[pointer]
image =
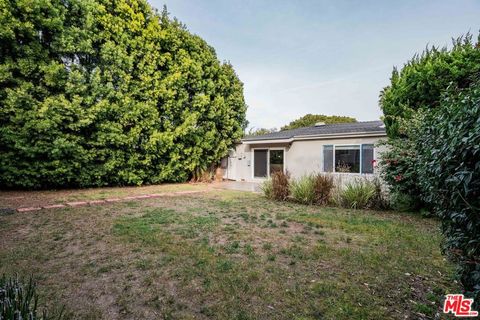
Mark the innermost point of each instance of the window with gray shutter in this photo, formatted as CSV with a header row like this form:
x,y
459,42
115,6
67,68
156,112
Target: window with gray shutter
x,y
328,158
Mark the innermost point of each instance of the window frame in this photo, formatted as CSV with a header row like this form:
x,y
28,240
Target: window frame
x,y
360,145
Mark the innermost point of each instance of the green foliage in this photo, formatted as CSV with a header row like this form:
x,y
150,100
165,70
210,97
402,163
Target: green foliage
x,y
403,202
102,92
419,87
20,301
309,120
398,169
357,194
280,186
303,189
447,141
432,112
267,188
423,79
380,200
260,131
323,187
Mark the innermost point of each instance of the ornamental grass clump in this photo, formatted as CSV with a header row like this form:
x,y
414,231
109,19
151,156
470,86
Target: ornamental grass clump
x,y
303,189
267,188
20,300
357,194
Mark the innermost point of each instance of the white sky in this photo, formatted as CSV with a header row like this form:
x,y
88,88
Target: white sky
x,y
326,57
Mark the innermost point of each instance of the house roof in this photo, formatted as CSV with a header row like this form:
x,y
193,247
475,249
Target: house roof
x,y
355,128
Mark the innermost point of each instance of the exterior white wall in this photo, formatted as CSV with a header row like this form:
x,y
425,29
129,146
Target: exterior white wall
x,y
301,157
239,166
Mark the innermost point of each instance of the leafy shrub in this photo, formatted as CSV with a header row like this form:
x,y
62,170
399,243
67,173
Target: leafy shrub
x,y
402,202
357,194
203,174
448,168
380,199
323,186
303,189
432,111
280,185
20,301
422,81
267,188
419,87
398,169
82,104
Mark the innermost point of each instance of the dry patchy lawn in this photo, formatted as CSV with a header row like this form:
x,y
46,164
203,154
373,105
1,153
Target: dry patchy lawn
x,y
228,255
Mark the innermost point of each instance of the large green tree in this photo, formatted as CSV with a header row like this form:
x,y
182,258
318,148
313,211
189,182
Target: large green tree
x,y
420,87
311,119
104,92
422,81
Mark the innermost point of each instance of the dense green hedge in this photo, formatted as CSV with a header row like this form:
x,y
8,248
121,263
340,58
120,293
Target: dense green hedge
x,y
103,92
419,86
447,141
421,81
432,114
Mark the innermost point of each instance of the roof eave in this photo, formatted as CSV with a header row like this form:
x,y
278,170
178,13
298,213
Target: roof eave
x,y
342,135
318,137
267,141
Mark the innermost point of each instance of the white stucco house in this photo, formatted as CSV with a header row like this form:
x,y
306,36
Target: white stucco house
x,y
348,150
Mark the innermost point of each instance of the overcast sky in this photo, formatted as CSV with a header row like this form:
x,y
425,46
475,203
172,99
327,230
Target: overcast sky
x,y
323,57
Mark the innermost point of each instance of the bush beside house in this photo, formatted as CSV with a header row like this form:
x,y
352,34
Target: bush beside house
x,y
106,92
447,141
432,114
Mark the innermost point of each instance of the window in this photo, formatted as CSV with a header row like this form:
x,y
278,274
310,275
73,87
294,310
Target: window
x,y
276,161
347,158
267,161
353,158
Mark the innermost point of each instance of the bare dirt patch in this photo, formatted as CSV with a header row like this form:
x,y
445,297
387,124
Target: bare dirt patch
x,y
17,199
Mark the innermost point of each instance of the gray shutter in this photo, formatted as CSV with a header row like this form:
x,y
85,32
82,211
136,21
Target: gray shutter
x,y
367,158
328,158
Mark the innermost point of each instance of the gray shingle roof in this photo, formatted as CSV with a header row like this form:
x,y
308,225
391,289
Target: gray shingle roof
x,y
328,129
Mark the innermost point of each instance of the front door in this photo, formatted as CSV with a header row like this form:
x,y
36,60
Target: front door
x,y
260,165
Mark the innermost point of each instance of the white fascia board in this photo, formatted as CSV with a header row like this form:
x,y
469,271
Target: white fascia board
x,y
271,141
318,137
342,135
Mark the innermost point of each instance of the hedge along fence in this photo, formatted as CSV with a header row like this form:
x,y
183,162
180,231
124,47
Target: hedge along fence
x,y
447,144
101,92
